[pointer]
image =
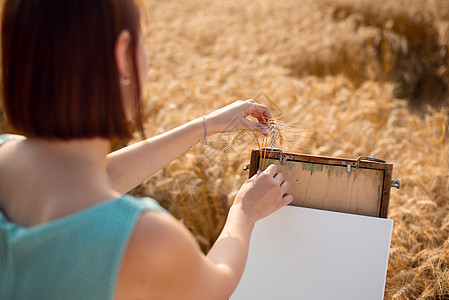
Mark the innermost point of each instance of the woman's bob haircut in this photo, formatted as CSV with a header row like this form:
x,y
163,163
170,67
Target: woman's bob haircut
x,y
60,77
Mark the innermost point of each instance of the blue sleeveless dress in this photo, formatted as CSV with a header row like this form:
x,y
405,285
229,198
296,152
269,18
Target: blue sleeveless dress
x,y
75,257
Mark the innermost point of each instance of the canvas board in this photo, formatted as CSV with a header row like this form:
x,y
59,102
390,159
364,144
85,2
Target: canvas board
x,y
303,253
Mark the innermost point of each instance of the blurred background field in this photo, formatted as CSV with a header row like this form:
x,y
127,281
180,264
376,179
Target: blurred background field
x,y
352,77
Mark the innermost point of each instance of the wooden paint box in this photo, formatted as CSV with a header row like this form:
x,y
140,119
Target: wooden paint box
x,y
356,186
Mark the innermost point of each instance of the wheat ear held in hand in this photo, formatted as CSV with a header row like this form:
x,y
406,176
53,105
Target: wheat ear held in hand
x,y
275,136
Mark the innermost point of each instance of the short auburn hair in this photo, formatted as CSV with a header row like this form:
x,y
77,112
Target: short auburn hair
x,y
60,77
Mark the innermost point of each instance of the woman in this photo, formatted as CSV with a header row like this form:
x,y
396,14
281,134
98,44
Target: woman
x,y
72,77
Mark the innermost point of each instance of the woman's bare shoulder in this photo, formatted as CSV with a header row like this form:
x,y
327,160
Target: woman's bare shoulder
x,y
8,147
162,261
8,137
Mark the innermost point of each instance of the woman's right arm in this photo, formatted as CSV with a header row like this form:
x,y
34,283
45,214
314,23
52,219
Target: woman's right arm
x,y
163,260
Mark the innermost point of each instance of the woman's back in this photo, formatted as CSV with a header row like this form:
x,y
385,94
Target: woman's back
x,y
75,257
54,246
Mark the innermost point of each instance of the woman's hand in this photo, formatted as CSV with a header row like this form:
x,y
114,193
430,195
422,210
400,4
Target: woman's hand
x,y
233,117
263,194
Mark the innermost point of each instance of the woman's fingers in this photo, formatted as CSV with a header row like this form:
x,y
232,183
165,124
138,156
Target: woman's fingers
x,y
284,187
234,117
261,119
254,126
271,170
287,199
261,113
264,193
279,177
258,111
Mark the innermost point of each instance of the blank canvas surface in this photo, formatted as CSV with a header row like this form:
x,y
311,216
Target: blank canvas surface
x,y
301,253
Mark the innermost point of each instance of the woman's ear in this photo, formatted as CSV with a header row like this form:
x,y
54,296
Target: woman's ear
x,y
124,66
122,55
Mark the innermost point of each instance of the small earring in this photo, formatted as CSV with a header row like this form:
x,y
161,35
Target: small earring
x,y
125,81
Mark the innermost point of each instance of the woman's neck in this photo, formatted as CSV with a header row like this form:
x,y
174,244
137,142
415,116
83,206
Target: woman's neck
x,y
81,152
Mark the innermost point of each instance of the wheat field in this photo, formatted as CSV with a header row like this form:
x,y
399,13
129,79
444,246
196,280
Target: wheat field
x,y
349,77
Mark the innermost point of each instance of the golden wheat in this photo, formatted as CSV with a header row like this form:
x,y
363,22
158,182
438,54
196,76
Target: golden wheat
x,y
363,56
354,77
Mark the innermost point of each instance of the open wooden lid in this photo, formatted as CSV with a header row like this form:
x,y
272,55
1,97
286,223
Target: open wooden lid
x,y
356,186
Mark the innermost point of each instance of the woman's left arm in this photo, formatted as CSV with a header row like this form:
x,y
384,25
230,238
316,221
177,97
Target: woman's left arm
x,y
130,166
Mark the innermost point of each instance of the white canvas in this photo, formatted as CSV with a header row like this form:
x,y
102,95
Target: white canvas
x,y
300,253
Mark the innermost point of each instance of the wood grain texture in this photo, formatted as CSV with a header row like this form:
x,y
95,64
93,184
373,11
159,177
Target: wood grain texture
x,y
332,188
324,183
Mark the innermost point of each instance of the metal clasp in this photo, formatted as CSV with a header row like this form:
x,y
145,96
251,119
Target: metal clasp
x,y
368,158
396,184
349,165
281,156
